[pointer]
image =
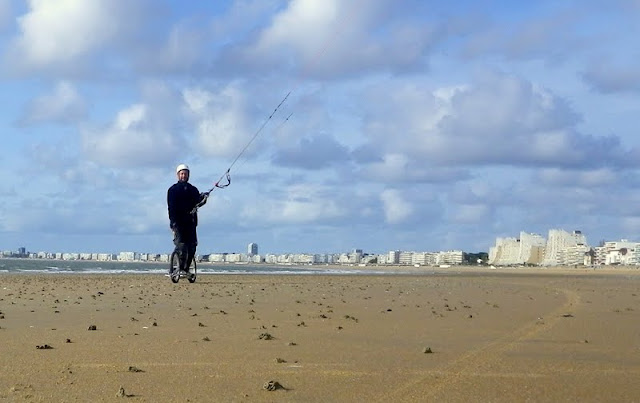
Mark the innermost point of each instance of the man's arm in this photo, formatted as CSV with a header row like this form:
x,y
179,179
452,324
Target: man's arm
x,y
171,209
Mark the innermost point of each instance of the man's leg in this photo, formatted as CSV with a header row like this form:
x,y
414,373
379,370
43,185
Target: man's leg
x,y
181,249
191,253
190,244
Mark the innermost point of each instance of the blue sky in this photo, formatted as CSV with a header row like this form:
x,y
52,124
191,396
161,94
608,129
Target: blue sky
x,y
415,125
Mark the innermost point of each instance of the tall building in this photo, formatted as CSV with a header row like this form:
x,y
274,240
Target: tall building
x,y
559,240
393,257
528,249
252,249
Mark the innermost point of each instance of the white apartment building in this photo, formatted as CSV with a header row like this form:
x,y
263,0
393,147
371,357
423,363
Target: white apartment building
x,y
449,257
103,257
383,258
424,258
572,255
421,258
621,252
393,257
505,252
217,257
532,247
303,258
405,257
128,256
233,258
345,259
558,240
526,249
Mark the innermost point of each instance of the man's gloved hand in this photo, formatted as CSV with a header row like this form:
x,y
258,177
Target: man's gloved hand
x,y
203,198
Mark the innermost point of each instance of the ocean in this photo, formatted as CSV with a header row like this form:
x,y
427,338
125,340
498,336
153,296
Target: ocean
x,y
37,266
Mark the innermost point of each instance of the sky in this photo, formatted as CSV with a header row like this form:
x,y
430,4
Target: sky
x,y
380,125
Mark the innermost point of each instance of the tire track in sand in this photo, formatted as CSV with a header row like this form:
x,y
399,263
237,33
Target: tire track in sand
x,y
470,362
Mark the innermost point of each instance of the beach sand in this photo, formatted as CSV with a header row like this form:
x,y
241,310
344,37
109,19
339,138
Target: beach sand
x,y
459,335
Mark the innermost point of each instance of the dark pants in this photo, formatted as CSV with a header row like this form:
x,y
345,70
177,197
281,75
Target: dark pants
x,y
186,241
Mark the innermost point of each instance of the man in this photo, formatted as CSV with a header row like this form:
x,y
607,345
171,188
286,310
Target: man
x,y
182,198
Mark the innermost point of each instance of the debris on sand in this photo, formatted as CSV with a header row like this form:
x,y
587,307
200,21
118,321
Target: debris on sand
x,y
567,315
135,369
92,327
265,336
44,347
272,385
351,318
427,350
121,392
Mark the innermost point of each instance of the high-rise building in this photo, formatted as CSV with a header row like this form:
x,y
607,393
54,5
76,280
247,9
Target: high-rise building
x,y
557,241
393,257
528,249
252,249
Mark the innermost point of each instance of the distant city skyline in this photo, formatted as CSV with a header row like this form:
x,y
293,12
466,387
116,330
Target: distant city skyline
x,y
529,239
561,248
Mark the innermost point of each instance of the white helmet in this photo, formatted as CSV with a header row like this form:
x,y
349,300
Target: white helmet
x,y
181,167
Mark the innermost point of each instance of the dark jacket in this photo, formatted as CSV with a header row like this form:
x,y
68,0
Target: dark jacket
x,y
182,197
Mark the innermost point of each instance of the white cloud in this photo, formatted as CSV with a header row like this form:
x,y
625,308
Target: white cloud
x,y
63,30
64,105
396,209
197,100
132,140
501,119
66,36
400,168
220,120
304,25
332,38
302,203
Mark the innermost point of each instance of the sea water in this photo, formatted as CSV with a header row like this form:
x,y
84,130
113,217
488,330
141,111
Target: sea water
x,y
44,266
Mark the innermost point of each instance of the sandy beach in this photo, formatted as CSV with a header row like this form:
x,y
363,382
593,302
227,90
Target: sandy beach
x,y
459,336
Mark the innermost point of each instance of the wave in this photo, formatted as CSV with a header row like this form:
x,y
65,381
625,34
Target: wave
x,y
26,266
